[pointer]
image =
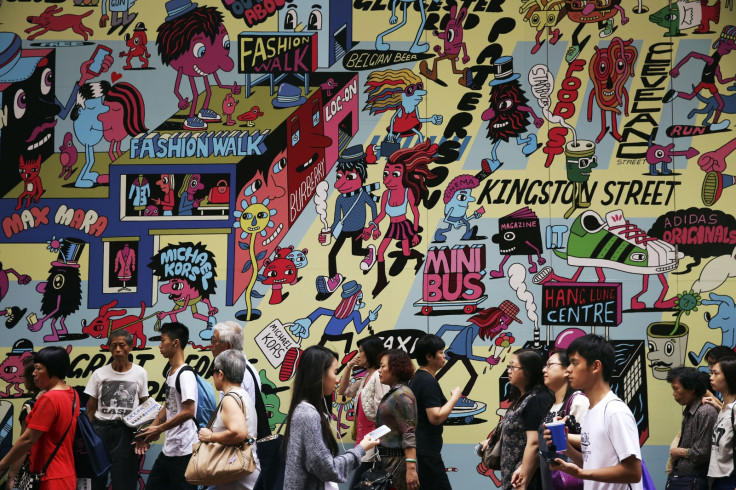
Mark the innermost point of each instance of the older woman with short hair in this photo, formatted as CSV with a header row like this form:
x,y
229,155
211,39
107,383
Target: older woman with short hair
x,y
236,420
52,419
398,411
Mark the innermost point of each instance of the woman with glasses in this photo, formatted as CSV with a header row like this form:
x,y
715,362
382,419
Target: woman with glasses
x,y
530,401
721,466
567,403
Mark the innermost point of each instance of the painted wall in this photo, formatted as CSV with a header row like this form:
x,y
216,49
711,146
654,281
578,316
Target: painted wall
x,y
558,191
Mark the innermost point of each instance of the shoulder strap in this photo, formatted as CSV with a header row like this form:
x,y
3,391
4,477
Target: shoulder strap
x,y
568,405
177,383
261,412
58,445
353,206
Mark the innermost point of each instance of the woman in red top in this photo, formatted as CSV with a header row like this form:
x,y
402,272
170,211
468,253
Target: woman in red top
x,y
53,412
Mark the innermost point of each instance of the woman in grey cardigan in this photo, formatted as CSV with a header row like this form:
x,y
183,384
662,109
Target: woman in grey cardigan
x,y
311,448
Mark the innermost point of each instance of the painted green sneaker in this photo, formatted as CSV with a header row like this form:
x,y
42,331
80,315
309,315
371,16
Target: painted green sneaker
x,y
617,244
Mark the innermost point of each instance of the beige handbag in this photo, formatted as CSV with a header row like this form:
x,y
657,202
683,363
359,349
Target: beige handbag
x,y
213,463
492,454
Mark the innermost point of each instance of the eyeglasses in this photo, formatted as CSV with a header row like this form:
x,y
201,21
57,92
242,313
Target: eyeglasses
x,y
552,364
410,89
511,367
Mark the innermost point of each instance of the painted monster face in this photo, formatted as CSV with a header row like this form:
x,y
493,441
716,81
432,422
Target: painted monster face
x,y
204,56
459,203
609,70
255,218
588,11
504,118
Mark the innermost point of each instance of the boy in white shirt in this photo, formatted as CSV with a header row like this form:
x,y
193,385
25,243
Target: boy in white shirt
x,y
610,456
176,418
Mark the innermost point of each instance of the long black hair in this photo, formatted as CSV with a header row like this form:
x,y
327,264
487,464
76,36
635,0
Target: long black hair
x,y
531,363
308,382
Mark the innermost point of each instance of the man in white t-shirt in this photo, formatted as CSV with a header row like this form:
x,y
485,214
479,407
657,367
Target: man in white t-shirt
x,y
610,456
114,391
176,418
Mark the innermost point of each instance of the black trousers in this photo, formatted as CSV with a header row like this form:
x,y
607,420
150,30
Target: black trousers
x,y
118,438
168,473
432,474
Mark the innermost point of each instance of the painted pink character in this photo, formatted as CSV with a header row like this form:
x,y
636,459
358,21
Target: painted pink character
x,y
125,117
193,41
166,184
11,369
228,108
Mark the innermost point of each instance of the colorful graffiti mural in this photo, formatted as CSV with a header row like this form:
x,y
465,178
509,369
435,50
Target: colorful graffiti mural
x,y
209,161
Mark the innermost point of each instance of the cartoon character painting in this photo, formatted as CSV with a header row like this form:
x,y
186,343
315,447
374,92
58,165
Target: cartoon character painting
x,y
610,68
11,369
193,41
189,274
457,200
62,291
32,187
508,114
136,47
454,45
125,116
416,46
89,129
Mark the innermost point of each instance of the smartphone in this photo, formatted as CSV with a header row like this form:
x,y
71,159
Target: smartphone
x,y
97,58
550,456
381,431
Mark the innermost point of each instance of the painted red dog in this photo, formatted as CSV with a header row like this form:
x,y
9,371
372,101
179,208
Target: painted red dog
x,y
104,324
49,21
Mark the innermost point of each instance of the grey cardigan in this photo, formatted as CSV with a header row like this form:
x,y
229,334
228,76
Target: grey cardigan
x,y
309,462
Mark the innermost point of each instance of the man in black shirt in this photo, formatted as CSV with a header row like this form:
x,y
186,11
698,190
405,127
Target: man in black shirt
x,y
433,409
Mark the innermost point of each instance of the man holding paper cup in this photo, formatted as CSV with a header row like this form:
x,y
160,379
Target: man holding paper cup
x,y
609,457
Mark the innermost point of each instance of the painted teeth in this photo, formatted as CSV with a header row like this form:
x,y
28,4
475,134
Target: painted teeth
x,y
500,125
273,236
608,94
200,72
43,141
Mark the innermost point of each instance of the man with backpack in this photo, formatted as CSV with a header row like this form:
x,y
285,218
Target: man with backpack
x,y
177,418
610,456
106,410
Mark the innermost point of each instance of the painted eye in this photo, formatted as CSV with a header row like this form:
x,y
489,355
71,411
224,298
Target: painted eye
x,y
450,35
289,272
620,66
279,166
165,180
671,17
505,105
136,41
177,286
290,20
315,21
338,176
248,216
226,42
19,104
58,281
603,68
669,348
659,153
198,50
462,197
509,236
271,273
385,174
47,81
351,176
652,347
396,173
193,183
262,215
253,188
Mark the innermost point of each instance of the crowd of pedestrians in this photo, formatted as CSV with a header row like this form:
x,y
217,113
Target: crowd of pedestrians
x,y
571,385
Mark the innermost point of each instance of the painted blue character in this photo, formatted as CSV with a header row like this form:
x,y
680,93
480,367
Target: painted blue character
x,y
725,319
192,183
457,199
88,129
416,47
347,311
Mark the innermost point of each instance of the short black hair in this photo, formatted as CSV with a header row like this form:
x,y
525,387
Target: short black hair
x,y
360,167
719,352
428,345
121,333
728,367
176,330
55,359
593,348
372,347
690,379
